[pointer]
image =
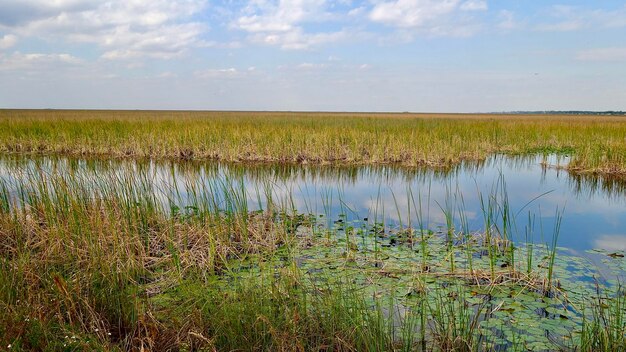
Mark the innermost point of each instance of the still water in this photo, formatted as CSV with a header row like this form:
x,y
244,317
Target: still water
x,y
593,209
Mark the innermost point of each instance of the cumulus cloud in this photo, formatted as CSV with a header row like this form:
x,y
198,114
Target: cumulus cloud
x,y
7,41
163,42
279,17
281,23
436,17
411,13
296,39
124,29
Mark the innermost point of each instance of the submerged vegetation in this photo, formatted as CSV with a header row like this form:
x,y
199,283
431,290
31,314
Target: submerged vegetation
x,y
118,262
596,143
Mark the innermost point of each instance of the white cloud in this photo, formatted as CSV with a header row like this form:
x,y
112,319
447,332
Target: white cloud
x,y
310,66
333,68
474,5
217,73
281,17
214,44
296,39
357,11
123,28
602,54
280,23
412,13
433,17
7,41
36,61
164,42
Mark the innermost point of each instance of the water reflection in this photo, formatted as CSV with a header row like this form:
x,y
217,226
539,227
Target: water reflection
x,y
593,206
611,242
591,184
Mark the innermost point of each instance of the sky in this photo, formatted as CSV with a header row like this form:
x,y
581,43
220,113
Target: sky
x,y
328,55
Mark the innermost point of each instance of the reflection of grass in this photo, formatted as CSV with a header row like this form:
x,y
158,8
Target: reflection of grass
x,y
109,262
596,142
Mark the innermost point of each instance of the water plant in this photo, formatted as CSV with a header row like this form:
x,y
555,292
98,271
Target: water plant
x,y
122,261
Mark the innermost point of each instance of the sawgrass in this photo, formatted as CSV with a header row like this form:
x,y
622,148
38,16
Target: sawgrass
x,y
596,143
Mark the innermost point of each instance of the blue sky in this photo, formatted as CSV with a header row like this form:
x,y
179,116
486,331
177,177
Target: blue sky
x,y
343,55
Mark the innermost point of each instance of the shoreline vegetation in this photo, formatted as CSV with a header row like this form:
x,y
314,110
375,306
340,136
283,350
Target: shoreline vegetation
x,y
103,262
596,143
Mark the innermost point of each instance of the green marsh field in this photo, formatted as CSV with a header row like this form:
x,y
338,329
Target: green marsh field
x,y
597,143
239,231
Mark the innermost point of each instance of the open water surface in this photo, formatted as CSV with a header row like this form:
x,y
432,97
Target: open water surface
x,y
593,208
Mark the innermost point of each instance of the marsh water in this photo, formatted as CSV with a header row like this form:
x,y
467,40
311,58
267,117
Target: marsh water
x,y
592,208
350,226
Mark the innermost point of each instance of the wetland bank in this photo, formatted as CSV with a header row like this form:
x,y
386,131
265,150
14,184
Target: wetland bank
x,y
145,230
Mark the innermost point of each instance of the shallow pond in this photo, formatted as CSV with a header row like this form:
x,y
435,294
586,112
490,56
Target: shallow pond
x,y
446,263
593,208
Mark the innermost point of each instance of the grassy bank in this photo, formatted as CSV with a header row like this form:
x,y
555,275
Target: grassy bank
x,y
596,143
112,262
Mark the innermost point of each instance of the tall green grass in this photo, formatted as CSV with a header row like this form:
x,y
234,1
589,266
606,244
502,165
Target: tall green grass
x,y
117,262
596,143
